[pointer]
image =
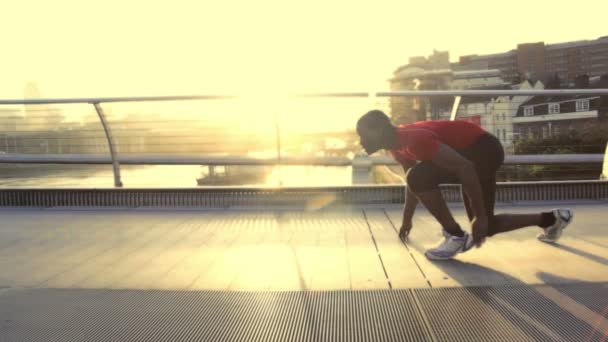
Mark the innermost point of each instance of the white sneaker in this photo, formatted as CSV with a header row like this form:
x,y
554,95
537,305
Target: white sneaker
x,y
450,246
563,217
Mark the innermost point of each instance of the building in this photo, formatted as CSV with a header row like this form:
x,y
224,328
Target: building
x,y
505,62
541,61
414,108
10,120
548,116
435,73
581,64
502,111
39,117
494,114
477,79
438,60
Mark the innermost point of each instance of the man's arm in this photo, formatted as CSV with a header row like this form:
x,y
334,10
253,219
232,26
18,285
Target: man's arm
x,y
411,201
451,160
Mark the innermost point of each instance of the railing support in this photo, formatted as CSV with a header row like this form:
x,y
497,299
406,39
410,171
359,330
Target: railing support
x,y
278,144
455,107
106,128
362,169
604,175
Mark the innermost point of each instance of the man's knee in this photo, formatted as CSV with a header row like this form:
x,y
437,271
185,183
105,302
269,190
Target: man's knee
x,y
418,180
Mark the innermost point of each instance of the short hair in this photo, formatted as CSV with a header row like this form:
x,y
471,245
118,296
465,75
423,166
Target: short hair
x,y
373,119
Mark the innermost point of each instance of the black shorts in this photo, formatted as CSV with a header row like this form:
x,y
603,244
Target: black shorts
x,y
487,155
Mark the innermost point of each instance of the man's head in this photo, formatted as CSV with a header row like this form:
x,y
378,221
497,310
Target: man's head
x,y
376,131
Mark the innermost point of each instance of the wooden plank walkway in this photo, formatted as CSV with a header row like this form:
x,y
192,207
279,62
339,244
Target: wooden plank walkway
x,y
352,249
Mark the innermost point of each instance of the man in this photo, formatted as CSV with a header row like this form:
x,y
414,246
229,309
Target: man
x,y
437,152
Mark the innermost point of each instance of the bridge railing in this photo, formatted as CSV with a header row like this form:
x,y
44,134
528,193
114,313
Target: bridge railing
x,y
487,107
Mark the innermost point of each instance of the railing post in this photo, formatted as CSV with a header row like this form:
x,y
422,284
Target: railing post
x,y
278,142
362,167
604,175
106,128
455,107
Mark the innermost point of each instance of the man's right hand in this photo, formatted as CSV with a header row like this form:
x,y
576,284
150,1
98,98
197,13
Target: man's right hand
x,y
479,227
404,231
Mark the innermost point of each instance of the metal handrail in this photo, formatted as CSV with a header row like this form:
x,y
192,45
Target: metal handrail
x,y
532,92
164,159
116,159
93,100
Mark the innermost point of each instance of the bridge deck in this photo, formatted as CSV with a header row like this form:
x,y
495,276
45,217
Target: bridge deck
x,y
66,274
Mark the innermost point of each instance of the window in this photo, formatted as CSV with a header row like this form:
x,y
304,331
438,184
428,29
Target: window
x,y
503,116
582,105
553,108
545,134
504,135
528,111
556,130
530,135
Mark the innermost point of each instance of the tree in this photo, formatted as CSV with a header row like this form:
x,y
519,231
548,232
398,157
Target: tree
x,y
591,139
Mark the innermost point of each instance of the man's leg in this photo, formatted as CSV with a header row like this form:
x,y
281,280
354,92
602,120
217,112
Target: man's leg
x,y
423,180
506,222
488,156
468,205
434,202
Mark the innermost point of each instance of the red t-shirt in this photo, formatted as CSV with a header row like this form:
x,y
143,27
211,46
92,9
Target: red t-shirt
x,y
420,140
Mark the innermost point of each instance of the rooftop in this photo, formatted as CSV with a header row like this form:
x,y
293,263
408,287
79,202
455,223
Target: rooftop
x,y
575,44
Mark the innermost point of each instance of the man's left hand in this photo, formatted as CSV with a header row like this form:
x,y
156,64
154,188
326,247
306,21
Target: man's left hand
x,y
404,232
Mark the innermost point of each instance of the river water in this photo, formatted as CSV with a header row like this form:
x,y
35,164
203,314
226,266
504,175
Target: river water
x,y
165,176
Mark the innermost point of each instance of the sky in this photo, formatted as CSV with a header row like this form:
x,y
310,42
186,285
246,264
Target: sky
x,y
135,48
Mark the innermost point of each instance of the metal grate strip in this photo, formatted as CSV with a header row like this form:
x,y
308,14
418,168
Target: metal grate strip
x,y
514,313
130,315
290,197
591,295
503,313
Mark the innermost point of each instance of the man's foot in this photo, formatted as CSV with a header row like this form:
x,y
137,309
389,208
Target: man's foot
x,y
450,246
563,217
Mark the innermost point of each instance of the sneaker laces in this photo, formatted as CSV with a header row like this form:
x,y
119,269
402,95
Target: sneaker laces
x,y
449,243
